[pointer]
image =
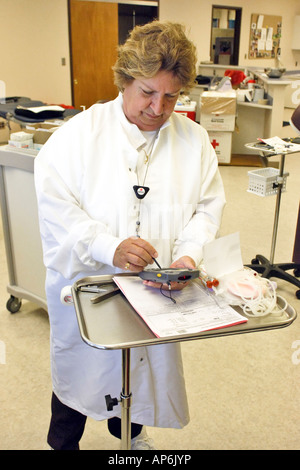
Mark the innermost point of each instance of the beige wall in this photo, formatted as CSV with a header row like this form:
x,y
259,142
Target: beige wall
x,y
35,37
196,15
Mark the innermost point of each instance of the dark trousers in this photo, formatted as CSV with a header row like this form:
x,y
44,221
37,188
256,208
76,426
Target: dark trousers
x,y
67,426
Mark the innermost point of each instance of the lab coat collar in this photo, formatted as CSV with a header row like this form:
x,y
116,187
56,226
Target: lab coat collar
x,y
134,134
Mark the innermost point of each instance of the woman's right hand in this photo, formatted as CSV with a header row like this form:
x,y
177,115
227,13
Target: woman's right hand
x,y
134,254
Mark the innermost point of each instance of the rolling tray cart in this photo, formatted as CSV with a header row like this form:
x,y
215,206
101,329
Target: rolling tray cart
x,y
109,322
267,182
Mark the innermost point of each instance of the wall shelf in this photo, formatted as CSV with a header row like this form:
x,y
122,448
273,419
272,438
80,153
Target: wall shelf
x,y
255,105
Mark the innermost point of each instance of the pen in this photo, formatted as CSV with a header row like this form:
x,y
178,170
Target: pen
x,y
157,263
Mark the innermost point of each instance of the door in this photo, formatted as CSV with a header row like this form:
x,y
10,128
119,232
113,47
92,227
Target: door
x,y
94,41
134,14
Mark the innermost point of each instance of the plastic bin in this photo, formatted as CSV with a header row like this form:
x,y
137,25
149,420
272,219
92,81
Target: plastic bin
x,y
263,182
188,110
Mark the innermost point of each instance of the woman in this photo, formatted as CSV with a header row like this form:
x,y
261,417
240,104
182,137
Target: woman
x,y
117,185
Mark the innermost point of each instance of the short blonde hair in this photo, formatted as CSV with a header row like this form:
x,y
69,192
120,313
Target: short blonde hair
x,y
153,47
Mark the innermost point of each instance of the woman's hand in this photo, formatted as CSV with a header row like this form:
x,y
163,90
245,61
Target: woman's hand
x,y
134,254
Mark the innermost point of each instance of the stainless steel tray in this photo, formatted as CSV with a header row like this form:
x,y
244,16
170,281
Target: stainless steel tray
x,y
114,324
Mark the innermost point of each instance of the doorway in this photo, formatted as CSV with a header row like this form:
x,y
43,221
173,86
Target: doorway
x,y
93,48
95,30
225,35
133,15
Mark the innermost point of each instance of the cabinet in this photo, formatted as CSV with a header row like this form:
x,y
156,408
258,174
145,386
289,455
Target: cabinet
x,y
255,120
23,245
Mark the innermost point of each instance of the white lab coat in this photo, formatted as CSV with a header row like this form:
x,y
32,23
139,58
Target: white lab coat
x,y
84,176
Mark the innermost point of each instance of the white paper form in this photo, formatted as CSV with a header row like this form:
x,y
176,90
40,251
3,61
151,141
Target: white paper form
x,y
279,145
195,309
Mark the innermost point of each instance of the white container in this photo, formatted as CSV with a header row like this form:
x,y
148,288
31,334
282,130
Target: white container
x,y
24,144
263,182
188,110
218,110
221,142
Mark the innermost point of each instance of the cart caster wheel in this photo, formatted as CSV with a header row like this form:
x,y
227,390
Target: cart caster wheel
x,y
298,294
297,272
13,304
254,261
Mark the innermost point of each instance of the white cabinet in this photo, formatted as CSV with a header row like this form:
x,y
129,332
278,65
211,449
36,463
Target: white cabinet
x,y
21,229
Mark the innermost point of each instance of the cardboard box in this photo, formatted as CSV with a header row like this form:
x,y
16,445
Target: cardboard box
x,y
222,143
188,110
5,131
44,125
41,132
218,110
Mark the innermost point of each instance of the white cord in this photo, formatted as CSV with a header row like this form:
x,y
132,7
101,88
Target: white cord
x,y
254,294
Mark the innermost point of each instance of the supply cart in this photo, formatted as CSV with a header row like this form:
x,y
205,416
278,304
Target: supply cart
x,y
21,228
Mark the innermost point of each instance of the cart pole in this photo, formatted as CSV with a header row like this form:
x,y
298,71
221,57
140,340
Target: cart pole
x,y
126,401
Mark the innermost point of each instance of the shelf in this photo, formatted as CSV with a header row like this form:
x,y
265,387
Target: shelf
x,y
255,105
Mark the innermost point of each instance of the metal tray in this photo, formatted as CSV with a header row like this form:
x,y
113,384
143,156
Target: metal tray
x,y
114,324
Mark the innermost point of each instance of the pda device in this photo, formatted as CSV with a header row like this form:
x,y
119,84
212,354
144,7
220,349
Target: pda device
x,y
165,276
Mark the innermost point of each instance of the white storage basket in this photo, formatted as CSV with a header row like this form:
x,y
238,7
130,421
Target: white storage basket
x,y
261,182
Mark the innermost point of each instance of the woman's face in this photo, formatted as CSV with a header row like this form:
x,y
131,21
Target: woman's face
x,y
148,102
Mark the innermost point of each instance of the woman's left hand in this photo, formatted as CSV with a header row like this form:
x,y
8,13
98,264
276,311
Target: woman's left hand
x,y
182,263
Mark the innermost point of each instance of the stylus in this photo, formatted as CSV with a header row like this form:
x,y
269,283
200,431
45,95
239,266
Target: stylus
x,y
156,262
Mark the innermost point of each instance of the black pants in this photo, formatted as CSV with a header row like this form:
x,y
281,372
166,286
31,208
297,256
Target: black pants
x,y
67,427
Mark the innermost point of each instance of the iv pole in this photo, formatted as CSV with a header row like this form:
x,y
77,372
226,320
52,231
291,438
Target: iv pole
x,y
260,263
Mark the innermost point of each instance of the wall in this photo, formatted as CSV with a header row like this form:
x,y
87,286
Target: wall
x,y
196,15
35,38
